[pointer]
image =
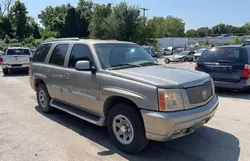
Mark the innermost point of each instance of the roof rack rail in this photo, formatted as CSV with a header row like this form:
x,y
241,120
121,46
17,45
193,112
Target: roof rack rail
x,y
63,39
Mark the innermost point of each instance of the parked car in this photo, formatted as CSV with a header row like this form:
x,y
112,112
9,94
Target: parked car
x,y
198,54
166,51
246,42
150,50
229,66
16,58
182,56
119,85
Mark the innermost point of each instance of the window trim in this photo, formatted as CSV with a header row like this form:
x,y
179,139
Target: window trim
x,y
51,52
70,51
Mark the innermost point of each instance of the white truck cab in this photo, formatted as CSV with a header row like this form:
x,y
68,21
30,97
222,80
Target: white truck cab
x,y
16,58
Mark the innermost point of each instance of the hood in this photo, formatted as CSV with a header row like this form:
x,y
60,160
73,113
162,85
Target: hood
x,y
162,76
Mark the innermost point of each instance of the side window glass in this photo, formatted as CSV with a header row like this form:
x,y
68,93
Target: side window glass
x,y
41,53
80,52
58,55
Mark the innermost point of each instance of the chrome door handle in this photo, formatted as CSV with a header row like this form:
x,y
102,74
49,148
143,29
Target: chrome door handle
x,y
66,76
47,71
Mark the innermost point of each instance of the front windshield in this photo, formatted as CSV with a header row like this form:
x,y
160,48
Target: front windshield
x,y
199,51
122,55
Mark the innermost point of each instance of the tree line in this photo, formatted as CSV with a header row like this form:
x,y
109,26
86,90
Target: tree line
x,y
104,21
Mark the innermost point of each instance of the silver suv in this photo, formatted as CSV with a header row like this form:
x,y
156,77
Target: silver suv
x,y
119,85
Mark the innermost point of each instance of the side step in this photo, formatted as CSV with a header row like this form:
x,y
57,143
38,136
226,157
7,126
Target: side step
x,y
97,120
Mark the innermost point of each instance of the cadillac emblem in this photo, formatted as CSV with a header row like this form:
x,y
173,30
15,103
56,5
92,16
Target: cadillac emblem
x,y
204,93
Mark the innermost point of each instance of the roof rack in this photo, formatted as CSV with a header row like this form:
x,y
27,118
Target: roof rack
x,y
63,39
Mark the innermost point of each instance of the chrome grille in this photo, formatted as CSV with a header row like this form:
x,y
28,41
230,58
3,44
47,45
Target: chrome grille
x,y
200,94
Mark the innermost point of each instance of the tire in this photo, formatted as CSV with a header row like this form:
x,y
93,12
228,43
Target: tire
x,y
134,127
43,98
167,61
186,60
5,71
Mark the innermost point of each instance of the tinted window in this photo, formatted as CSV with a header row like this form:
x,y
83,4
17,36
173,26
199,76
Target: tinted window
x,y
223,54
58,55
18,52
41,53
80,52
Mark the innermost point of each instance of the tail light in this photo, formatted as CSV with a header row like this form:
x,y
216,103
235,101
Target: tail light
x,y
196,66
1,60
30,59
246,71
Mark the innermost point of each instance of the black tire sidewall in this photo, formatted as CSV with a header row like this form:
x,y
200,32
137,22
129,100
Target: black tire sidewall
x,y
48,108
139,141
5,71
167,61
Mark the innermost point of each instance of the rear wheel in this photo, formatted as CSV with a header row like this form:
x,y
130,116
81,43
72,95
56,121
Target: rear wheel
x,y
43,98
167,61
5,71
126,128
186,60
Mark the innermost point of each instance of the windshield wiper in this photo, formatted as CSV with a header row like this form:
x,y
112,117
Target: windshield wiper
x,y
148,64
225,61
125,65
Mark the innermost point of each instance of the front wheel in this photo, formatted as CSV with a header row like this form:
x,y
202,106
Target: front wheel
x,y
5,71
125,126
167,61
186,60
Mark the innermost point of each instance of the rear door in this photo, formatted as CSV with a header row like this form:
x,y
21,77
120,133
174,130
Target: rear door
x,y
17,56
224,64
55,70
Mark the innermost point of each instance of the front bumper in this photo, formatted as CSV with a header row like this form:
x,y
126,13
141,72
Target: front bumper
x,y
241,85
164,126
23,66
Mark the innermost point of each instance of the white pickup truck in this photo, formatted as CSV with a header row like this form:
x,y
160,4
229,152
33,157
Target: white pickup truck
x,y
16,58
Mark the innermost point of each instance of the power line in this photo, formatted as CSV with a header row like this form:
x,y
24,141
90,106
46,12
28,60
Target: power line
x,y
144,11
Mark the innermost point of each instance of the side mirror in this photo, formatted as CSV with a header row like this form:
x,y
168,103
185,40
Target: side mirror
x,y
83,65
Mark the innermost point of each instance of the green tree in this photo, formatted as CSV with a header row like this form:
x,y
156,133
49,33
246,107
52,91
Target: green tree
x,y
175,27
191,33
70,27
97,23
158,26
203,32
6,27
36,32
84,15
18,14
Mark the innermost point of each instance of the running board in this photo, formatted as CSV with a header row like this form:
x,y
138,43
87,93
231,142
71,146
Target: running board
x,y
97,120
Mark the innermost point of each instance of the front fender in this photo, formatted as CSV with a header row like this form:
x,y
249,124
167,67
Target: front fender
x,y
141,101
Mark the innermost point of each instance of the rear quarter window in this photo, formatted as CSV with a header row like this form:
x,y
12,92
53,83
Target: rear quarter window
x,y
223,54
41,53
248,54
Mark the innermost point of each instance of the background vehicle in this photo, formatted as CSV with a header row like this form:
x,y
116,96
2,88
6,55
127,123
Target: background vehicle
x,y
182,56
229,66
16,58
150,50
166,51
198,54
246,42
119,85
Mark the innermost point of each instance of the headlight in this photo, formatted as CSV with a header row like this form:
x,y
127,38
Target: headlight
x,y
170,100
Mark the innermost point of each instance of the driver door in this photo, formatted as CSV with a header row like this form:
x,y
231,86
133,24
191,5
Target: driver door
x,y
82,87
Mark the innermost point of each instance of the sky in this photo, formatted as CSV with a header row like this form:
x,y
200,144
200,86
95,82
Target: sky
x,y
195,13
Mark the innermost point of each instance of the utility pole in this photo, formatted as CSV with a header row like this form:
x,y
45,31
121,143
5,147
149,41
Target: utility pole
x,y
144,11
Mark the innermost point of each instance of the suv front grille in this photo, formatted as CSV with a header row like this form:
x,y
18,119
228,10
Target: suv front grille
x,y
200,94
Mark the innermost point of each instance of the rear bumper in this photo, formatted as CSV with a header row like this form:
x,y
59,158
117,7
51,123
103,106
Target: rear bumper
x,y
164,126
23,66
241,85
